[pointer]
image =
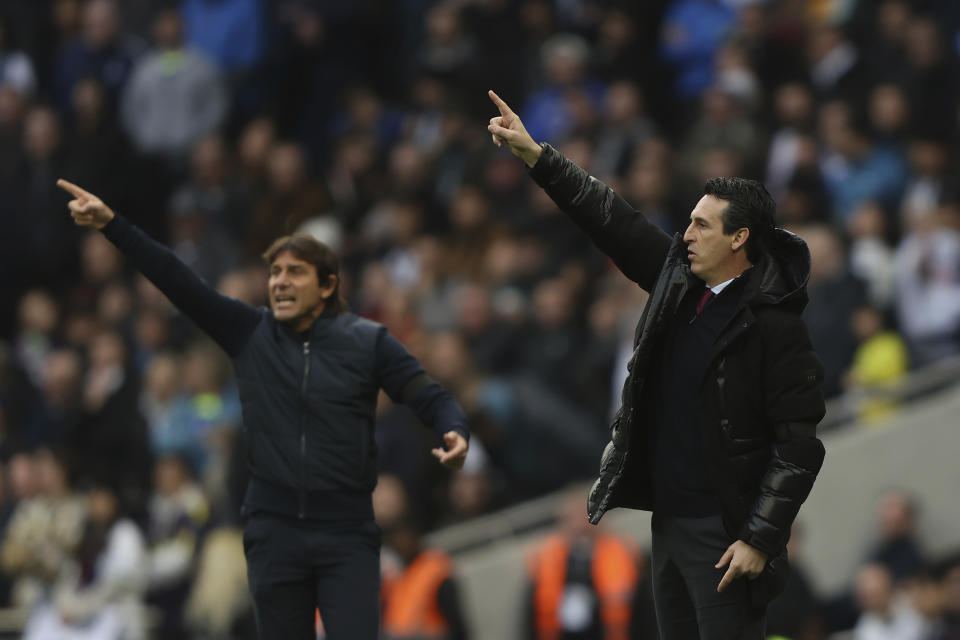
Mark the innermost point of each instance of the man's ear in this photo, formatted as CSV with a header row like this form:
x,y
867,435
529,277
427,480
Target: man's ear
x,y
327,290
740,237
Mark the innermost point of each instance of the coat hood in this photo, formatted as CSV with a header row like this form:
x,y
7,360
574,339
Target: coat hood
x,y
781,274
784,272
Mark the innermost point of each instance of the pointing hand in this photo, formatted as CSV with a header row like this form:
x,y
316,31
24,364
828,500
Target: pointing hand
x,y
744,560
507,128
86,209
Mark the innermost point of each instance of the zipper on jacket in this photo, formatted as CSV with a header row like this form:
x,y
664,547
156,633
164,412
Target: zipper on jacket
x,y
303,431
721,397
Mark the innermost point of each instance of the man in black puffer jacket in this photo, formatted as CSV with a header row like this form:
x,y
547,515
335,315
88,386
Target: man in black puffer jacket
x,y
308,374
716,434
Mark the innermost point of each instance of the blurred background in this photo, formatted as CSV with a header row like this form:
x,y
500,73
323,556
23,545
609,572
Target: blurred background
x,y
217,125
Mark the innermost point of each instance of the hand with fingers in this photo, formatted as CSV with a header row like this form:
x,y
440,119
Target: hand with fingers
x,y
86,209
455,453
507,128
744,560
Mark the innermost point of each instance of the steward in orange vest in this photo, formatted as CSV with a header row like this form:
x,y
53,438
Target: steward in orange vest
x,y
582,582
421,601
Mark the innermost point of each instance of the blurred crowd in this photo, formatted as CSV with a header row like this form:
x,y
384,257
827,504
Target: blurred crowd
x,y
217,125
901,591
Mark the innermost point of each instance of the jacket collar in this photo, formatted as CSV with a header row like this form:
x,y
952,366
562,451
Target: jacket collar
x,y
317,328
779,277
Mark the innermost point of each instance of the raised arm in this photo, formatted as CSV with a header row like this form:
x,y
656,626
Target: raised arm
x,y
636,246
405,381
229,322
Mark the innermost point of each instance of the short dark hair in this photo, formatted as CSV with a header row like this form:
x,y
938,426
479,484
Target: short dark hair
x,y
749,205
324,259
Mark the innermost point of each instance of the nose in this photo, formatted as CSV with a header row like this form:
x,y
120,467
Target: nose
x,y
688,234
280,279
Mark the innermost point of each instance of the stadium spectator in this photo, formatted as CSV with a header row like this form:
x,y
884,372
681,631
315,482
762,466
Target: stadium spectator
x,y
885,616
44,530
898,549
623,127
59,404
927,596
581,581
98,594
794,109
101,50
931,177
197,238
178,518
39,160
928,284
880,361
159,398
234,35
95,147
174,96
564,60
38,317
859,169
449,51
110,442
692,32
651,184
836,69
834,295
889,112
290,199
421,599
871,254
230,32
215,188
723,124
927,72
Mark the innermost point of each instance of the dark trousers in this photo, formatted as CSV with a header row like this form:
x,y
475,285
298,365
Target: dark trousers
x,y
296,567
685,581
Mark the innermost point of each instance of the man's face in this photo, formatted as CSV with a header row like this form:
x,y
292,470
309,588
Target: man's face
x,y
709,250
296,295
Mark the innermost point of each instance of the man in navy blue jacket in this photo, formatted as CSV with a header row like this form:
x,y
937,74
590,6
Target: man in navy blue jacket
x,y
308,373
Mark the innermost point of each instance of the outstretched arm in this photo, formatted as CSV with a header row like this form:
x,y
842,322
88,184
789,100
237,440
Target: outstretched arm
x,y
229,322
405,381
637,246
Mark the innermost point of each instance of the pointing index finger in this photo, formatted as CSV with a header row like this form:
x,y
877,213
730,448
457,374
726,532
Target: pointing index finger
x,y
501,105
727,578
72,189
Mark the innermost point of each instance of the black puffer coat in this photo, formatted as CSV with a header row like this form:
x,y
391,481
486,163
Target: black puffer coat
x,y
759,401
